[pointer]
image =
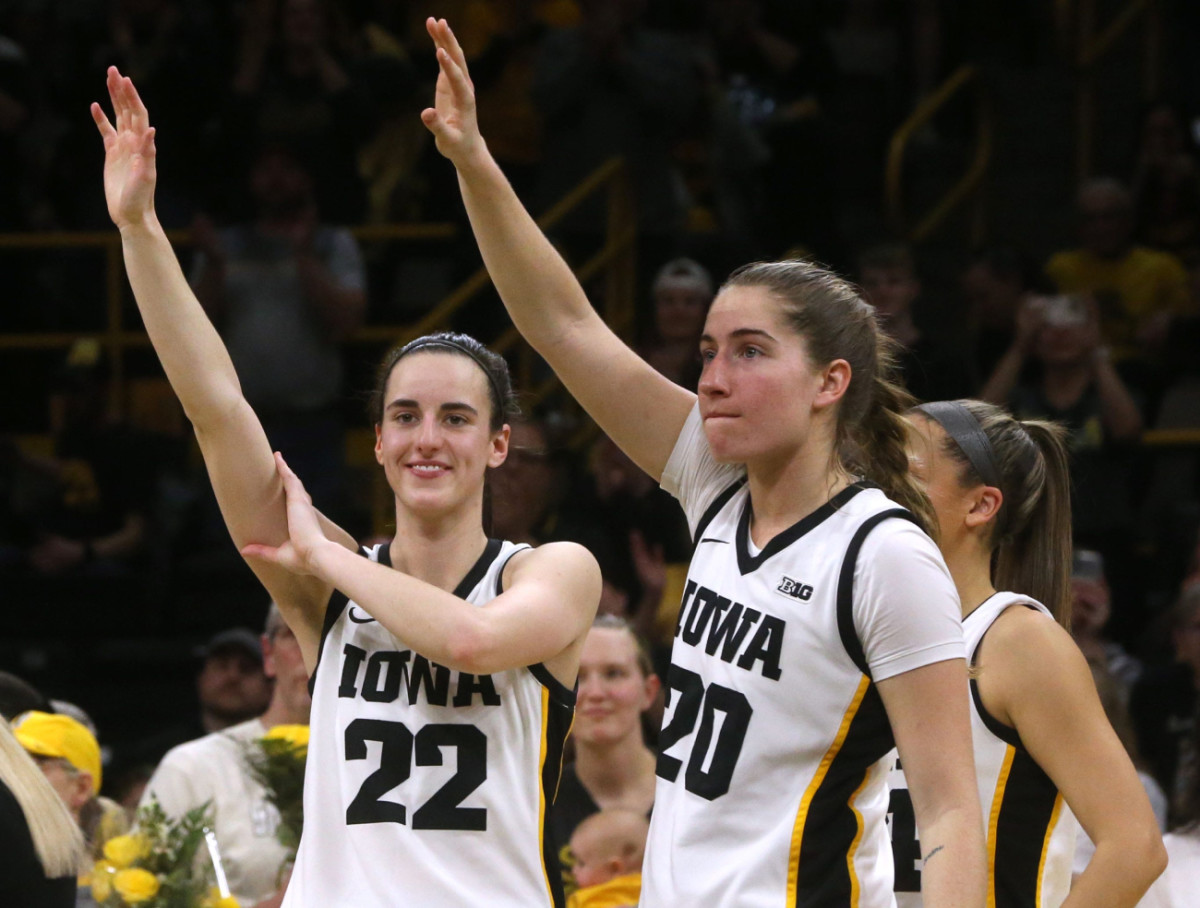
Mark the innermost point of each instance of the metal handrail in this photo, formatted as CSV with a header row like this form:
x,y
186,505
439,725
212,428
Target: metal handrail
x,y
1093,46
971,181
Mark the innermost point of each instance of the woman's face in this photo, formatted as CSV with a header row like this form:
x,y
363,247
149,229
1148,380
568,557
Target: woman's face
x,y
435,441
679,311
613,691
758,385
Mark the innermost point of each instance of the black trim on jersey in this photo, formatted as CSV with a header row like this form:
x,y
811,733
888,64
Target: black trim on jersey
x,y
1025,813
748,562
1005,733
333,610
504,567
823,869
558,726
845,590
559,692
471,580
713,509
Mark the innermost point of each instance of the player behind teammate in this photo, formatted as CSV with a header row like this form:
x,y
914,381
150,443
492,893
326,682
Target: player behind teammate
x,y
1044,750
797,655
443,662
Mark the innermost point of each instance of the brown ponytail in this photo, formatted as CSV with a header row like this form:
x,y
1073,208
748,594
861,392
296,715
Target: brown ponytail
x,y
1031,535
837,323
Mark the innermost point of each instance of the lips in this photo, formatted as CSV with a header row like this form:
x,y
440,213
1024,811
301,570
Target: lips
x,y
427,470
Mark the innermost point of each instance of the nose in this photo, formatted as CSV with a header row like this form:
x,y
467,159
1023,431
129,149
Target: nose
x,y
713,379
429,438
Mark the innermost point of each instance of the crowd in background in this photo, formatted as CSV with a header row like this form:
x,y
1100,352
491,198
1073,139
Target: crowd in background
x,y
752,129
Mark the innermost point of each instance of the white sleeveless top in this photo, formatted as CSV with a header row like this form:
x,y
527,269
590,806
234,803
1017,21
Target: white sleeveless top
x,y
771,788
1030,829
427,786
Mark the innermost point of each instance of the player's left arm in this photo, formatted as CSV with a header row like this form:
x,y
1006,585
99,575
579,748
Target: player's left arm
x,y
550,596
928,711
1034,678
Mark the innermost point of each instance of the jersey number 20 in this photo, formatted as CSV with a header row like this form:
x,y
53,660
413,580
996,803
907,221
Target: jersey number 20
x,y
442,810
713,782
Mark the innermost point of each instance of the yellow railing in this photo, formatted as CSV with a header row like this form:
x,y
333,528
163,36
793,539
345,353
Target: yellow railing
x,y
971,182
1092,46
616,255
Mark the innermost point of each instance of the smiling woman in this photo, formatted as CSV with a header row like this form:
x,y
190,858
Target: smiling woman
x,y
442,662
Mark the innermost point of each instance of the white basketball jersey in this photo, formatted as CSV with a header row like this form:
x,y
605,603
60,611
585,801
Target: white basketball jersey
x,y
427,786
1030,829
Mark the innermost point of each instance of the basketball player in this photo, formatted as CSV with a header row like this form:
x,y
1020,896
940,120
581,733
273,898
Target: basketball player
x,y
443,663
818,620
1044,750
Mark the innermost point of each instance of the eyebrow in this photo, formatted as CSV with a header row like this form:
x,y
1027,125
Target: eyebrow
x,y
404,403
740,333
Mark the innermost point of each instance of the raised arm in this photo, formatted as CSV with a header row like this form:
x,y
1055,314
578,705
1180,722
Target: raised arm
x,y
235,448
1034,678
639,409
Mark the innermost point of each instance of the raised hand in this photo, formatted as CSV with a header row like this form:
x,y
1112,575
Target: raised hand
x,y
452,118
304,527
129,173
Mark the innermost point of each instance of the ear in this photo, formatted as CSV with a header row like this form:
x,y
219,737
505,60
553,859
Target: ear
x,y
985,505
499,452
650,688
83,789
378,444
833,382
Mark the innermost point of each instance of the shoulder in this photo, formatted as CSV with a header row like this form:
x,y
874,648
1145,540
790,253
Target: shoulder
x,y
1063,262
894,543
569,561
1027,650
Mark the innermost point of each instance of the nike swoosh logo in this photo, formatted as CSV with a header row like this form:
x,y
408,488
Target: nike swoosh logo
x,y
367,620
711,539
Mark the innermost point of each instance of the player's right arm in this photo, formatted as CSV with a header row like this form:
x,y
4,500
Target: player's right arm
x,y
235,448
639,409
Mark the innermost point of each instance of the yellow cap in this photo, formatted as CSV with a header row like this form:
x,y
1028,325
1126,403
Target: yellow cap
x,y
52,735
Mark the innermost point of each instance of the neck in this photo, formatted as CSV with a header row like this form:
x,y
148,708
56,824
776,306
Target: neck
x,y
785,491
970,564
617,772
285,710
438,549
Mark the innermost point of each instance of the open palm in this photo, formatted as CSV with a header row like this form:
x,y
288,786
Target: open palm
x,y
452,117
129,173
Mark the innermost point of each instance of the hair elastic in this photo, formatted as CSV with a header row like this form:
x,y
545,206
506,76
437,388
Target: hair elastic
x,y
422,342
962,426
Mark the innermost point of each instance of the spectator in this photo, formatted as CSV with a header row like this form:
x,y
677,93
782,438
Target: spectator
x,y
527,487
1138,290
42,846
69,755
1091,607
1164,705
19,696
213,770
1078,386
292,85
931,370
613,767
608,847
993,287
682,293
1166,184
612,87
1176,888
285,290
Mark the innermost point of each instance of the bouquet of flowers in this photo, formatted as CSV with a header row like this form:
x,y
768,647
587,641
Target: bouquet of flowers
x,y
156,866
277,761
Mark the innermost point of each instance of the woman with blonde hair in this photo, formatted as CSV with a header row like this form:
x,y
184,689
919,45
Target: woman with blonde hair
x,y
1045,753
42,845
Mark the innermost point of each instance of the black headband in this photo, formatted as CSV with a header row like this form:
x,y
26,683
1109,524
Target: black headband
x,y
961,425
422,342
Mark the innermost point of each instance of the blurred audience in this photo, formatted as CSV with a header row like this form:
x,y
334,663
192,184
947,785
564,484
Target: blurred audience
x,y
1091,608
932,370
1166,184
681,294
608,848
1176,888
994,286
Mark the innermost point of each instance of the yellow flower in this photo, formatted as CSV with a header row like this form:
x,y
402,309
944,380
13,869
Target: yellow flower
x,y
102,874
124,850
135,885
214,899
296,735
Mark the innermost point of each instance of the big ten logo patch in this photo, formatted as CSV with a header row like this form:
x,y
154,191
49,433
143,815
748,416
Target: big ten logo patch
x,y
794,589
